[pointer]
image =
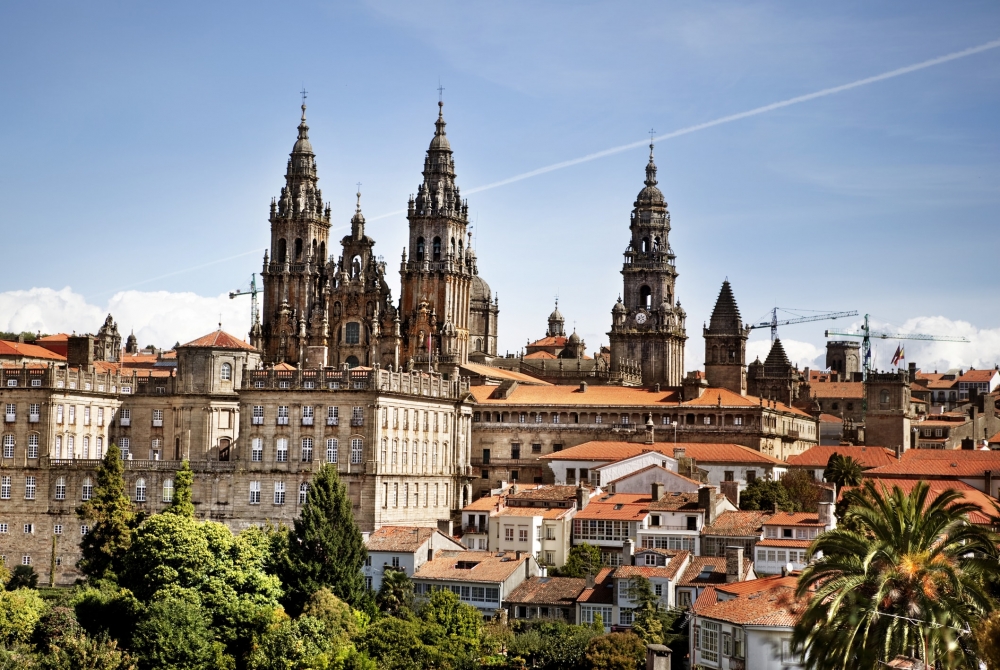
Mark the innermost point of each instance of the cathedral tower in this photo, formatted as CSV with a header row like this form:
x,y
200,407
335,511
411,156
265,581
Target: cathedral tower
x,y
300,225
726,344
437,273
648,324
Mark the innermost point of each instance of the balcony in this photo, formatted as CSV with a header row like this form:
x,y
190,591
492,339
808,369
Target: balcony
x,y
157,423
282,420
474,530
332,421
124,421
257,420
10,418
33,418
307,421
358,421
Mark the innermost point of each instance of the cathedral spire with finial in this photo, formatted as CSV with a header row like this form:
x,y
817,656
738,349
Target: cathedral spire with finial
x,y
358,220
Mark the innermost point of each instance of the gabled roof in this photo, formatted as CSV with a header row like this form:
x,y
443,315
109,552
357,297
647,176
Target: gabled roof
x,y
489,567
557,591
758,585
403,539
940,464
803,519
969,494
616,511
541,355
668,571
978,376
488,371
705,570
776,607
737,524
602,591
484,504
544,512
23,350
550,341
220,340
669,473
819,456
607,452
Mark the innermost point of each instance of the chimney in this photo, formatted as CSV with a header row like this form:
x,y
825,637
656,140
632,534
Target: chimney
x,y
693,386
517,554
659,488
583,387
582,497
656,388
444,525
988,482
734,564
527,567
706,501
732,491
628,552
826,515
680,452
590,581
430,553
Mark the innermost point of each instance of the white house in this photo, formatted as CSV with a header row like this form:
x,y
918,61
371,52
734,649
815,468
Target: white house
x,y
482,579
642,480
403,548
787,536
476,518
603,475
676,519
609,522
749,632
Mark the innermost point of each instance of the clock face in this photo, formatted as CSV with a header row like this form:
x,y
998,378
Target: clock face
x,y
640,318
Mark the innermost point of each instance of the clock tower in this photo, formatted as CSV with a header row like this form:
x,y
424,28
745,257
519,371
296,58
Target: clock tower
x,y
647,322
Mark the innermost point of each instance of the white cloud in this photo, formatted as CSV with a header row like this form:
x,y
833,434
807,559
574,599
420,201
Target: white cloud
x,y
803,354
160,318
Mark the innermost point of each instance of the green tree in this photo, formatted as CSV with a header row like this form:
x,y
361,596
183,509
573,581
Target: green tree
x,y
336,615
395,643
452,627
616,651
765,495
174,634
77,651
553,645
395,594
105,609
325,547
181,503
20,611
803,492
167,550
583,559
111,517
987,634
843,471
653,621
23,577
289,644
907,581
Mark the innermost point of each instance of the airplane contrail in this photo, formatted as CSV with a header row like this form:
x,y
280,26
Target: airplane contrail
x,y
729,119
178,272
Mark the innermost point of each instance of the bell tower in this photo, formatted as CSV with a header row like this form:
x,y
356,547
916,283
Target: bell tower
x,y
293,272
726,344
436,273
648,324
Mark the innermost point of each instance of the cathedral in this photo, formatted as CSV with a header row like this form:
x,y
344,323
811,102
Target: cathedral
x,y
325,311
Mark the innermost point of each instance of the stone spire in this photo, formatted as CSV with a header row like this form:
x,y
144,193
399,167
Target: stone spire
x,y
650,195
556,323
301,196
439,195
726,318
777,356
358,220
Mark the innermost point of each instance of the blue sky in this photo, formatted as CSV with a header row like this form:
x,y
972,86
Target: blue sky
x,y
140,140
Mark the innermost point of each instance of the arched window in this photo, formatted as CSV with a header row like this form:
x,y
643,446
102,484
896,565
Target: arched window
x,y
168,490
645,245
88,489
352,362
645,297
353,333
298,249
322,252
437,248
61,488
453,246
303,491
227,372
420,248
140,490
479,344
282,250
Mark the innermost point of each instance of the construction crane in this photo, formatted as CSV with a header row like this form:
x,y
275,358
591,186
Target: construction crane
x,y
254,314
866,334
773,323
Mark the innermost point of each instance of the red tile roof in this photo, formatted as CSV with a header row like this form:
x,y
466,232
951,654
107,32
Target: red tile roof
x,y
602,591
556,341
22,350
757,585
650,467
615,511
484,504
774,607
220,340
668,571
489,567
404,539
540,354
969,494
737,524
489,371
544,512
701,452
706,598
829,418
557,591
995,439
793,519
775,542
981,376
940,464
868,457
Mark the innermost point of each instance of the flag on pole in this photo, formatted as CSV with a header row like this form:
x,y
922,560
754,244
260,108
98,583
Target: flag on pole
x,y
899,355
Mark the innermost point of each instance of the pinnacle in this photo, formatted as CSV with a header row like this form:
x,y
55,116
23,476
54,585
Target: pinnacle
x,y
726,315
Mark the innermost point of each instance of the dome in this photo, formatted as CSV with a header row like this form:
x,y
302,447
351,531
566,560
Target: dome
x,y
619,308
303,146
440,141
556,315
574,338
480,289
650,194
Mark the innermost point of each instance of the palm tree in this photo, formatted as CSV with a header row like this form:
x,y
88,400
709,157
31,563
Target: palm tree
x,y
843,471
910,580
396,592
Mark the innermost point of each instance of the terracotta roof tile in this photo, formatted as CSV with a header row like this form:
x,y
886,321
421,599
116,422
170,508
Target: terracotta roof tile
x,y
737,524
404,539
489,567
706,598
793,519
868,457
602,592
837,390
702,452
995,439
556,341
220,340
705,570
829,418
540,355
545,492
22,350
969,494
502,373
775,607
56,338
558,591
978,376
757,585
673,474
484,504
668,571
940,463
544,512
774,542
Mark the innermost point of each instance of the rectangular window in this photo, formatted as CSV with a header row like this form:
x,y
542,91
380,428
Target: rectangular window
x,y
72,414
331,450
508,533
282,449
555,418
257,415
710,641
307,415
727,644
257,449
33,445
61,488
26,560
279,493
283,415
254,493
358,416
738,642
157,418
57,529
522,535
3,528
332,416
33,412
8,446
307,450
29,528
29,488
356,449
84,530
538,417
122,444
59,413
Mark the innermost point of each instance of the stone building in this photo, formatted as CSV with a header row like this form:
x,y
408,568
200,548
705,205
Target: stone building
x,y
844,358
438,273
726,344
647,322
776,378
